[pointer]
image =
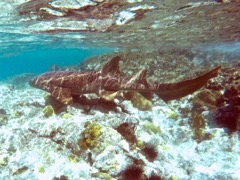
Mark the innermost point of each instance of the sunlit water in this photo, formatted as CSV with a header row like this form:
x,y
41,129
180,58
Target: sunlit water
x,y
40,60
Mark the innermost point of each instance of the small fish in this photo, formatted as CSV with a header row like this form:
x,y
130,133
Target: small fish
x,y
63,85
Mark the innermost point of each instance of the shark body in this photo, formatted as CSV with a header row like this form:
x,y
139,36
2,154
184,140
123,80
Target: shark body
x,y
63,85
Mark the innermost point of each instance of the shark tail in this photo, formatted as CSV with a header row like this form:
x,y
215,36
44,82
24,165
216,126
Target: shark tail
x,y
180,89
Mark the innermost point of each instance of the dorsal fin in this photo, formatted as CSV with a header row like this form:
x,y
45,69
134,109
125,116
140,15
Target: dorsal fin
x,y
109,95
111,67
140,77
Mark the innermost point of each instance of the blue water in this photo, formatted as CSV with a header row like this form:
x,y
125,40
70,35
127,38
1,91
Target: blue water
x,y
39,61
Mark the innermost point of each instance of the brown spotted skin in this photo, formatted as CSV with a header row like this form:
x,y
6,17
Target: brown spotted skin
x,y
62,84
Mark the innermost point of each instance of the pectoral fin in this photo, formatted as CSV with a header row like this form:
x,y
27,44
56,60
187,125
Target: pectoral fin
x,y
109,95
61,94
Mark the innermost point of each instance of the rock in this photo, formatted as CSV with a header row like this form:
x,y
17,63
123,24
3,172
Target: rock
x,y
224,117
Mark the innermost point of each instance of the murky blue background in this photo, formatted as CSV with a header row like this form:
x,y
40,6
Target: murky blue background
x,y
39,60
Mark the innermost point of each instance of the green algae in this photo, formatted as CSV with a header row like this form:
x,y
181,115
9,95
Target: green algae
x,y
3,119
198,125
56,105
66,116
140,144
41,169
152,128
48,111
3,161
197,121
73,159
173,115
140,102
16,114
102,175
90,136
173,178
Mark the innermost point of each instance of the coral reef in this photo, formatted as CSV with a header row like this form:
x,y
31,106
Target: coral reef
x,y
218,102
227,112
198,124
206,100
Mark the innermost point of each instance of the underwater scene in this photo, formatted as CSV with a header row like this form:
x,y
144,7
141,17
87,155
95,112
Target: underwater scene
x,y
120,90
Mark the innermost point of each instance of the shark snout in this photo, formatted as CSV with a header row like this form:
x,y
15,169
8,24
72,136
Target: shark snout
x,y
32,82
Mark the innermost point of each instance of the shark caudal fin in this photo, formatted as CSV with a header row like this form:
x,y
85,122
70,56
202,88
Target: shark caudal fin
x,y
180,89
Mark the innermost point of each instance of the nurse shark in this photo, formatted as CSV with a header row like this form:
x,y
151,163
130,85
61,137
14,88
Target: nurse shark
x,y
107,82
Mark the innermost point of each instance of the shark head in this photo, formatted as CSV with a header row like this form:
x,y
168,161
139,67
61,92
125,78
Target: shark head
x,y
42,81
33,82
51,82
